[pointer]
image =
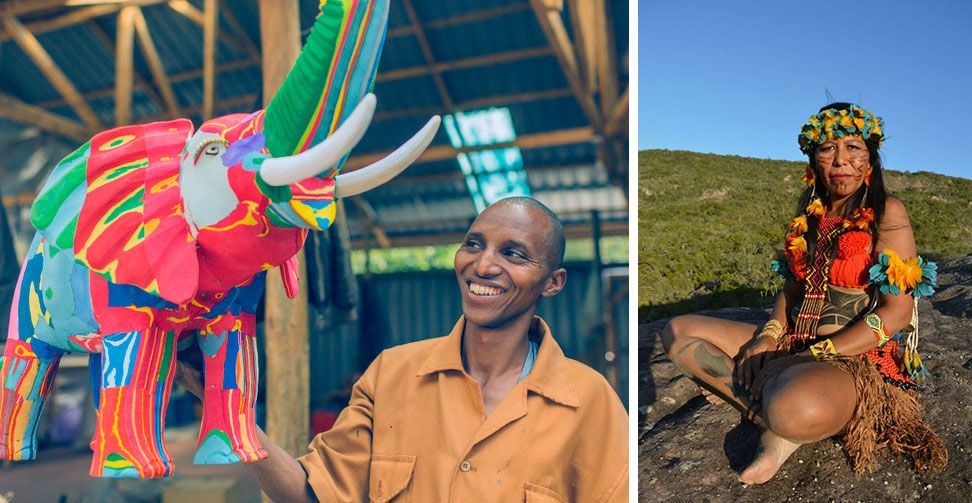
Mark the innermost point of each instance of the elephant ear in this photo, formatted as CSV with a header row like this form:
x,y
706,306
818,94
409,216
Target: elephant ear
x,y
132,228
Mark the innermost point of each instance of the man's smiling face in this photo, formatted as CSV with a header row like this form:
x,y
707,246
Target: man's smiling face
x,y
504,265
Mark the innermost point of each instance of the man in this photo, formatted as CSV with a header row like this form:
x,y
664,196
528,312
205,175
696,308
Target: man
x,y
492,412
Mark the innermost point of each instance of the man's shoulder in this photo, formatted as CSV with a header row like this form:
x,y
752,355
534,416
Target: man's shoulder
x,y
591,386
410,356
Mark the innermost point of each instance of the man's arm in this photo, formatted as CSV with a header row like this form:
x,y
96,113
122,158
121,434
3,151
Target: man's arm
x,y
280,476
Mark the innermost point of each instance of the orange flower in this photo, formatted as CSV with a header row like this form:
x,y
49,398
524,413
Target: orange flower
x,y
808,177
904,275
796,245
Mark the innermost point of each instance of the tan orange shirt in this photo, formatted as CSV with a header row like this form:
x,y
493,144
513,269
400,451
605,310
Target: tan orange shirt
x,y
415,431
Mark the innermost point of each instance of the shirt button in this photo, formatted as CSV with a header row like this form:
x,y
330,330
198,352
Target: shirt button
x,y
465,466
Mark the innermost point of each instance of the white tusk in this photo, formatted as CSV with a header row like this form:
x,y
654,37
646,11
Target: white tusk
x,y
281,171
373,175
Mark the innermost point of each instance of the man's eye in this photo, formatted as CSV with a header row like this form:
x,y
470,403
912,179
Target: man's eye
x,y
514,254
471,244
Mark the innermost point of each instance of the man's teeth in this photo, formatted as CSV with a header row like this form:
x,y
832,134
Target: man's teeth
x,y
483,290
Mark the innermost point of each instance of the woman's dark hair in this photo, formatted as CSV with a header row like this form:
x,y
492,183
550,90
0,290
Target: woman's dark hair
x,y
873,195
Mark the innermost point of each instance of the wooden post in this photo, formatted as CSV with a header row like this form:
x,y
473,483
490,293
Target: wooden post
x,y
210,28
124,65
286,347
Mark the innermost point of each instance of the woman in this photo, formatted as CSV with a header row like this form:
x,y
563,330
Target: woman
x,y
837,356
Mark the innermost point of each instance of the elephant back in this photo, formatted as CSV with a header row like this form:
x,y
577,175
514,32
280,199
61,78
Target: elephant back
x,y
56,208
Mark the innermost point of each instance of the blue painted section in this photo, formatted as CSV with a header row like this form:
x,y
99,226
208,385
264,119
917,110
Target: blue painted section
x,y
240,299
229,364
120,352
94,376
129,295
122,473
214,451
210,343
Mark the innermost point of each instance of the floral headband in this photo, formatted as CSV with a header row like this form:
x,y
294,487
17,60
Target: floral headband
x,y
831,124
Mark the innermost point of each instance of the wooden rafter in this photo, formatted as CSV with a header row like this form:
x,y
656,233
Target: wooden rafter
x,y
607,62
199,17
124,64
141,83
460,64
491,101
241,103
210,27
618,118
155,64
404,73
427,52
468,17
548,13
29,44
583,19
442,152
371,217
30,115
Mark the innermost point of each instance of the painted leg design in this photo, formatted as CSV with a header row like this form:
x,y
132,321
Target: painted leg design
x,y
136,371
228,432
25,382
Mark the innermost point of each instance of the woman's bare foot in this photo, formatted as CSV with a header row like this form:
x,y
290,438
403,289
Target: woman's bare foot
x,y
713,398
773,452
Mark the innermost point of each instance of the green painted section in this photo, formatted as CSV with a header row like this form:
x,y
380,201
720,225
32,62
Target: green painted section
x,y
69,175
133,201
166,357
295,103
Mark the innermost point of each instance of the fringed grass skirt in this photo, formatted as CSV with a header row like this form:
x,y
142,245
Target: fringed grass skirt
x,y
887,417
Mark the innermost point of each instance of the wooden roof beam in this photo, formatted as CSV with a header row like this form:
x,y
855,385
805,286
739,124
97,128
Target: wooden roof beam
x,y
549,18
124,63
371,217
403,73
583,19
29,44
30,115
140,81
490,101
469,17
155,64
607,61
210,28
427,52
442,152
199,17
617,121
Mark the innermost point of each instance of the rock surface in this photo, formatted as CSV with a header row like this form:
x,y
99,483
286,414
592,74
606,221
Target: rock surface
x,y
692,451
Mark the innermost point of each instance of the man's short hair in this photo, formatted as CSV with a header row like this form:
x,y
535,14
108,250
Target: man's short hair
x,y
554,239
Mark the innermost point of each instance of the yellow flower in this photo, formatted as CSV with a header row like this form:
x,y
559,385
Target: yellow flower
x,y
799,224
815,207
797,245
859,123
905,275
847,121
813,134
829,121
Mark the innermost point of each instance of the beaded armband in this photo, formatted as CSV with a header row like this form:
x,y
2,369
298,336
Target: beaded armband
x,y
772,329
824,350
895,276
877,326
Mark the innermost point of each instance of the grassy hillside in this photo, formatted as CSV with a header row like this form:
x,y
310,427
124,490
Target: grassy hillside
x,y
708,225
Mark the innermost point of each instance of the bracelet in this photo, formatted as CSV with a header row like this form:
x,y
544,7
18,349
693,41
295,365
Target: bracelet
x,y
824,350
877,326
772,329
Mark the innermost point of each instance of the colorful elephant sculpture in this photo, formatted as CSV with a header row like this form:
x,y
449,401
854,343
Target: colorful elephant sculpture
x,y
152,237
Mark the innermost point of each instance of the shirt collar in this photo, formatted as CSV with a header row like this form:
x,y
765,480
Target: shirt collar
x,y
550,376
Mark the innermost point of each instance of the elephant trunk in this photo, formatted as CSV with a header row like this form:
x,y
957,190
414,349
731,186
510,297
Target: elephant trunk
x,y
335,70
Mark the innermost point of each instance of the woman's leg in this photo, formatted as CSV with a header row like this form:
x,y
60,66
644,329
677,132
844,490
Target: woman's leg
x,y
805,403
704,348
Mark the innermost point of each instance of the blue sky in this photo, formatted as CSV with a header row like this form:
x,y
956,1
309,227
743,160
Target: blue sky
x,y
742,77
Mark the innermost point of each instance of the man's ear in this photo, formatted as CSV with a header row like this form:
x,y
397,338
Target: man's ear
x,y
555,282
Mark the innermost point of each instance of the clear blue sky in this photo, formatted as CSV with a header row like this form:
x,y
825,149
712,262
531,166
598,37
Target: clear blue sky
x,y
742,77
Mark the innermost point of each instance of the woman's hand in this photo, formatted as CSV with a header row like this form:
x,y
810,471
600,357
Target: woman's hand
x,y
771,370
751,359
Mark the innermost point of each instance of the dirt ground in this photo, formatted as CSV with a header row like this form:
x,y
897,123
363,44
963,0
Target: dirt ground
x,y
61,475
691,451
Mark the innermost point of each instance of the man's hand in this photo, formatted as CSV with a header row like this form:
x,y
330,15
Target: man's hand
x,y
751,359
190,378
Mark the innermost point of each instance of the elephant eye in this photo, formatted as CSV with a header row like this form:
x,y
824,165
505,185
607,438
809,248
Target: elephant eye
x,y
212,149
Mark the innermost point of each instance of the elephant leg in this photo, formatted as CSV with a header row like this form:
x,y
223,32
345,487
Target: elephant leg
x,y
25,382
228,431
134,372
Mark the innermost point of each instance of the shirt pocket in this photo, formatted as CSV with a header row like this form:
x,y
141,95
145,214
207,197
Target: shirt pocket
x,y
533,493
389,476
